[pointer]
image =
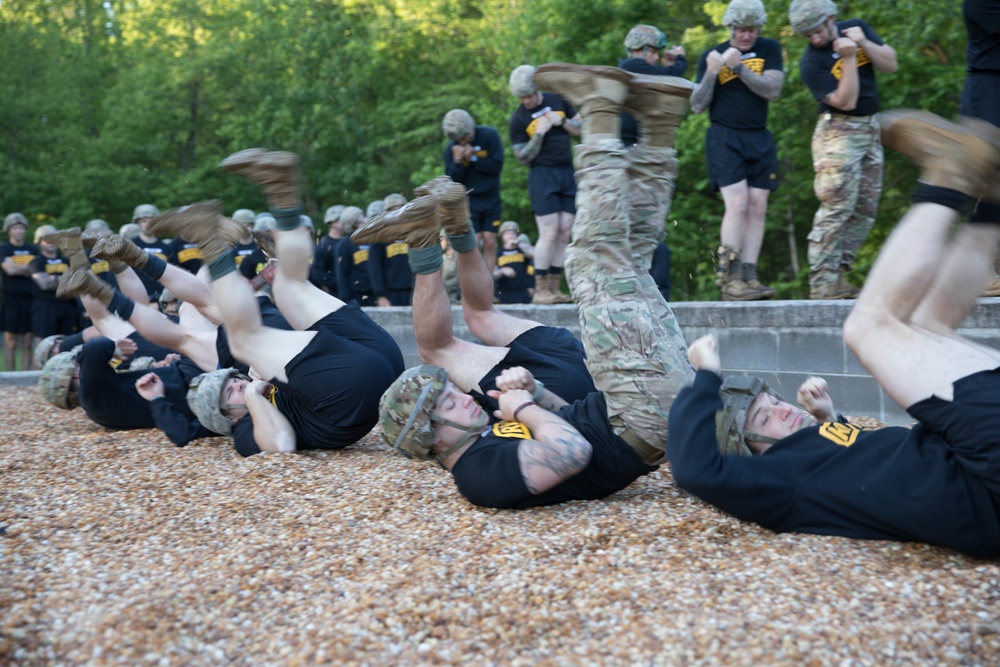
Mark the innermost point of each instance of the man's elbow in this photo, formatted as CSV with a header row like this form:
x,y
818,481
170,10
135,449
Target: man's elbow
x,y
285,443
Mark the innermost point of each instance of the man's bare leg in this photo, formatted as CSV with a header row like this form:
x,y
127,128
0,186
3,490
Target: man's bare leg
x,y
302,303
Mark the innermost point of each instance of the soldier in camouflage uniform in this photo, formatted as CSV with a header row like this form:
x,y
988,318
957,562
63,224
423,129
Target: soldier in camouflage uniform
x,y
545,450
839,68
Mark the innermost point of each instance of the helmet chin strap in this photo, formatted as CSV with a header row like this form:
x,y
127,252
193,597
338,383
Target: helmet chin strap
x,y
471,431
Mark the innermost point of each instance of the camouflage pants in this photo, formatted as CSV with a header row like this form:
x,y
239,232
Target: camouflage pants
x,y
635,351
847,158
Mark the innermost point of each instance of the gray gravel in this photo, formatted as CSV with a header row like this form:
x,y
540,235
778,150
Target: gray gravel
x,y
118,548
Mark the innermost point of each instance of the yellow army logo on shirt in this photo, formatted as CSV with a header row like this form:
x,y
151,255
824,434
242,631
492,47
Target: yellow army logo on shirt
x,y
360,255
187,254
533,125
517,257
58,267
838,66
840,434
506,429
755,65
397,248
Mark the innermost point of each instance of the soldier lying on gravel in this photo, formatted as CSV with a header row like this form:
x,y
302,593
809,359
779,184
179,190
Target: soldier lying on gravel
x,y
327,374
543,450
938,482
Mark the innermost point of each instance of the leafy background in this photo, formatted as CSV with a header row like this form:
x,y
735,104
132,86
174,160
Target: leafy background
x,y
110,104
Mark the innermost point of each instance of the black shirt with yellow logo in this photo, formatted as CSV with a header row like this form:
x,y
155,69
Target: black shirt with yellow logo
x,y
821,71
891,483
733,104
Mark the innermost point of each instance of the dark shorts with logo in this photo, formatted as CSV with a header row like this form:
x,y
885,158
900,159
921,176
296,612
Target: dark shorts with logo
x,y
737,155
552,190
485,215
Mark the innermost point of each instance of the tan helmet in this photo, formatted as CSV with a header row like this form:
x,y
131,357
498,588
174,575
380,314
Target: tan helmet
x,y
14,219
374,208
264,222
350,217
204,397
521,81
130,230
738,394
393,201
744,14
56,381
45,348
96,225
458,123
644,35
305,221
44,230
244,216
509,226
333,213
145,211
806,15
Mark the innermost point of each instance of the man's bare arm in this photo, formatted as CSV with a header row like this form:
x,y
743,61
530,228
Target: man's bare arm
x,y
767,84
271,430
525,153
573,126
557,451
46,281
12,268
701,97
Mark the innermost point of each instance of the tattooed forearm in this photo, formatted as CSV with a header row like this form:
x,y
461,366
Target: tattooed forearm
x,y
525,153
557,452
701,98
766,85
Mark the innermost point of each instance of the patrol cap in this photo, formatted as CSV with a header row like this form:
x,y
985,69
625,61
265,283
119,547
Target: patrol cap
x,y
204,397
806,15
56,381
244,216
458,123
744,14
521,81
404,410
393,201
96,225
145,211
350,217
333,213
738,394
645,35
14,219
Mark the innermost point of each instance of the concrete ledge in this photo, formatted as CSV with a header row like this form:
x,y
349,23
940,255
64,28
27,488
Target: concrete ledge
x,y
784,342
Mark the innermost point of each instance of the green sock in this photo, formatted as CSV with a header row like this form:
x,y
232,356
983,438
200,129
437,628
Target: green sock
x,y
425,260
467,242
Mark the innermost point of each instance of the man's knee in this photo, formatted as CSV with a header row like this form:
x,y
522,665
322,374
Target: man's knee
x,y
865,320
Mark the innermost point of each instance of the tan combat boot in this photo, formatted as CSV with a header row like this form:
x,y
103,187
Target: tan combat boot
x,y
70,244
276,172
201,223
417,222
749,275
116,248
658,104
597,91
962,157
76,283
544,296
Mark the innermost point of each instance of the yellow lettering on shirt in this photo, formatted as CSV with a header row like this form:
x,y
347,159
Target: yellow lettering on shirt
x,y
187,254
397,248
506,429
840,434
533,125
61,267
755,65
360,256
22,260
838,67
516,258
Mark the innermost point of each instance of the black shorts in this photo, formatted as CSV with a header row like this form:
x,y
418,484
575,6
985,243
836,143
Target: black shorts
x,y
969,424
399,297
15,313
553,356
485,215
51,318
981,99
552,190
737,155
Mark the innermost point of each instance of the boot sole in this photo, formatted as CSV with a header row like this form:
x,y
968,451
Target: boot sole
x,y
606,81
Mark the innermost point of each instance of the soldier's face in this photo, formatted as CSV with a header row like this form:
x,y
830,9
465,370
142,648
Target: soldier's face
x,y
530,101
510,239
820,36
457,407
775,419
17,233
651,55
743,38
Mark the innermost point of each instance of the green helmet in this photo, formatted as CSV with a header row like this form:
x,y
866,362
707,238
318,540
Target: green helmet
x,y
96,225
56,381
264,222
333,213
806,15
44,349
645,35
393,201
244,216
14,219
509,226
744,14
204,397
374,208
350,217
145,211
521,83
458,123
738,394
130,230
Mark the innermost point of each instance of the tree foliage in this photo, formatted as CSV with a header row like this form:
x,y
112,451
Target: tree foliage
x,y
112,104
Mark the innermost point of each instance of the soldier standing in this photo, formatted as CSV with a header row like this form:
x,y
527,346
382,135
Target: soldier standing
x,y
15,311
839,68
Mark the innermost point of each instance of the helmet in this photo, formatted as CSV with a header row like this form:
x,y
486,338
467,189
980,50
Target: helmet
x,y
130,230
393,201
521,84
805,15
744,14
509,226
204,397
166,297
145,211
264,222
44,230
349,218
645,35
333,213
738,394
43,351
56,381
404,410
305,221
141,364
374,208
14,219
458,123
96,225
244,216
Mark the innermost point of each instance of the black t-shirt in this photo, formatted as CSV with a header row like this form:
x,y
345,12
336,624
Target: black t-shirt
x,y
514,290
185,254
821,72
389,268
323,272
253,263
556,150
488,473
482,174
733,104
353,280
22,256
982,22
48,265
835,479
162,250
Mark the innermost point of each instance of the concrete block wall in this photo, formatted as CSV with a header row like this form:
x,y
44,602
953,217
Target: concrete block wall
x,y
783,342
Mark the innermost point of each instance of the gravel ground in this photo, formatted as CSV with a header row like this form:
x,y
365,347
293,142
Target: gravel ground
x,y
118,548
